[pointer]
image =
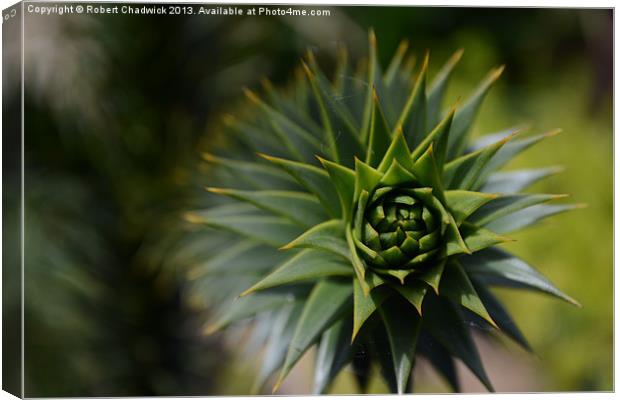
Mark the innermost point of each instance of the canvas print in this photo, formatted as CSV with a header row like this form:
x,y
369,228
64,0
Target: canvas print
x,y
246,199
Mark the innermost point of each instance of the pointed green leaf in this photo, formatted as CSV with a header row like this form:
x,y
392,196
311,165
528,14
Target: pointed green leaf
x,y
246,307
325,304
498,267
402,325
427,173
413,116
432,275
306,265
398,151
508,204
373,280
463,172
438,138
464,117
328,236
382,349
437,88
444,322
516,181
274,231
364,305
279,340
358,264
286,124
256,175
456,285
399,274
366,178
463,203
527,217
476,238
342,117
338,127
380,135
301,208
243,257
292,110
314,180
440,359
333,352
344,181
500,315
395,63
371,79
414,292
508,152
396,175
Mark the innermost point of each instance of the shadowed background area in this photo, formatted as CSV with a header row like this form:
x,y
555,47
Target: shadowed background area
x,y
118,108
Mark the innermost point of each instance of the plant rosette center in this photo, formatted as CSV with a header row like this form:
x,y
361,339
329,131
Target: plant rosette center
x,y
398,228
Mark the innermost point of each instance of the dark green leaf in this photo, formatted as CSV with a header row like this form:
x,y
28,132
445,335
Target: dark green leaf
x,y
438,87
440,359
414,292
438,138
301,208
444,322
328,236
246,307
343,179
306,265
463,203
364,305
277,346
339,130
366,178
527,217
464,117
398,151
333,352
476,238
284,122
455,285
257,175
463,172
498,267
327,301
516,181
508,204
432,275
500,315
373,79
428,174
413,116
402,325
275,231
380,135
395,63
508,152
314,179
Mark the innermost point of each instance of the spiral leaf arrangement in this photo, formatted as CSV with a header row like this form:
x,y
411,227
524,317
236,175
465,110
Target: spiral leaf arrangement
x,y
368,223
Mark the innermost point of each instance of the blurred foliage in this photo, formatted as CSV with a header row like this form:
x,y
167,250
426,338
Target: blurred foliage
x,y
117,108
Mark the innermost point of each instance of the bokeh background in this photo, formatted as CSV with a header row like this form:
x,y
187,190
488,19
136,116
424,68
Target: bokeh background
x,y
118,108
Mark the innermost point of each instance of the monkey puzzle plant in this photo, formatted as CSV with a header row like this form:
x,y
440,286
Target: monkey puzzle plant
x,y
361,219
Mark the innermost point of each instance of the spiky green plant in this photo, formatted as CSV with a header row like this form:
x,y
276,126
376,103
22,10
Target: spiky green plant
x,y
362,220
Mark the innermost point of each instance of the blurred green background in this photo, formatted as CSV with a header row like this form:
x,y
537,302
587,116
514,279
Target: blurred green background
x,y
118,108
